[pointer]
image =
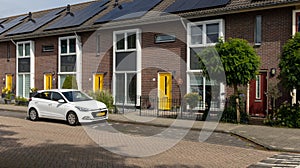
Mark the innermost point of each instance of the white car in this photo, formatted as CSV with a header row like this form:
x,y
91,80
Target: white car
x,y
66,104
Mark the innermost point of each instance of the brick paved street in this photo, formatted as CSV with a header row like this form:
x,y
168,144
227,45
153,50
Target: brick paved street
x,y
48,144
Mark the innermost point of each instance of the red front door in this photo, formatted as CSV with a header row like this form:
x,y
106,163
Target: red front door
x,y
258,98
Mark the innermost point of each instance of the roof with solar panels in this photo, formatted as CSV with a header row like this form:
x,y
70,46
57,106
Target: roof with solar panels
x,y
91,15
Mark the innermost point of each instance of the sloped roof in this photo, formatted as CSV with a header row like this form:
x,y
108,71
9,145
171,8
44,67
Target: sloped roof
x,y
234,6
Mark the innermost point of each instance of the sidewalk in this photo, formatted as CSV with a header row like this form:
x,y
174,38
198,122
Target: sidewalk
x,y
279,139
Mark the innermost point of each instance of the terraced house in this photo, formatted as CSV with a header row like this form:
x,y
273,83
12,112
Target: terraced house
x,y
142,47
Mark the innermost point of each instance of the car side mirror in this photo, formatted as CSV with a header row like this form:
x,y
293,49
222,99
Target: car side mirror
x,y
61,101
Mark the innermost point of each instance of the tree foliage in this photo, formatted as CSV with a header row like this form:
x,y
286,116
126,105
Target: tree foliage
x,y
240,61
290,63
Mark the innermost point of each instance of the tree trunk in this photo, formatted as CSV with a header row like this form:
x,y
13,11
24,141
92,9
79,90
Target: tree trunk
x,y
238,114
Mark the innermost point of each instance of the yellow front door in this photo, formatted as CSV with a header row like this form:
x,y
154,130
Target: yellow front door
x,y
8,83
98,82
165,90
48,81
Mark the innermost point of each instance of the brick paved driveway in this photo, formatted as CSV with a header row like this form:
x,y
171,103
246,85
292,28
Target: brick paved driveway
x,y
47,144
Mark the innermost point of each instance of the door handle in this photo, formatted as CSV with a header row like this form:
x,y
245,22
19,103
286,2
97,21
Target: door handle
x,y
50,104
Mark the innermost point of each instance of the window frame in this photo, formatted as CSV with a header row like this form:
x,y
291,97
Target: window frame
x,y
137,49
258,30
78,56
31,72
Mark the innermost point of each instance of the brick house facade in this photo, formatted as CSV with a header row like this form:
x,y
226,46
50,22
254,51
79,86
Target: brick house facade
x,y
151,64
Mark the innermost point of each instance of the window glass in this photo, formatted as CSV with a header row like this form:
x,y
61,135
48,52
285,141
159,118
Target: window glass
x,y
20,50
212,33
64,46
76,96
164,38
257,38
126,61
24,65
120,88
46,95
20,86
68,63
27,49
196,34
27,85
131,84
131,40
72,43
257,93
194,58
120,42
56,96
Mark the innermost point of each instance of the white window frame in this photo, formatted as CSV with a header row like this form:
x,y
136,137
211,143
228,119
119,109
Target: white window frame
x,y
190,72
294,21
138,73
78,53
258,87
125,32
32,66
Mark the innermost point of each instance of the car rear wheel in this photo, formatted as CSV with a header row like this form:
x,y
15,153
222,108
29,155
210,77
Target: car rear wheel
x,y
72,119
33,115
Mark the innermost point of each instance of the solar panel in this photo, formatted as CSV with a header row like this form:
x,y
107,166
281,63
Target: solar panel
x,y
6,26
79,17
135,9
36,23
186,5
2,20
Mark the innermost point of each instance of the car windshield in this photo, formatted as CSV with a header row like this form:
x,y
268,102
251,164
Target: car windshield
x,y
75,96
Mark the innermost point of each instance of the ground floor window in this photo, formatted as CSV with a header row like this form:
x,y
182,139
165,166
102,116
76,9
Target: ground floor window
x,y
67,81
126,92
209,91
23,85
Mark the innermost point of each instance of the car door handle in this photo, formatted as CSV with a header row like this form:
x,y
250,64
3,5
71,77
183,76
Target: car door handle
x,y
50,104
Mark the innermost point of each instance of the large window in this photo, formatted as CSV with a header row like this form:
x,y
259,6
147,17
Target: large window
x,y
126,65
68,59
201,35
25,68
258,30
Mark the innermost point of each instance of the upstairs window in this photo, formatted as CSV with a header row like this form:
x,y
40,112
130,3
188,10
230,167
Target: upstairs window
x,y
257,30
205,33
126,41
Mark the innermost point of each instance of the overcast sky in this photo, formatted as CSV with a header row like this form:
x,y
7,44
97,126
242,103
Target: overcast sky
x,y
16,7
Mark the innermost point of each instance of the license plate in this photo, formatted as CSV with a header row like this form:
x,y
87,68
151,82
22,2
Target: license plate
x,y
100,114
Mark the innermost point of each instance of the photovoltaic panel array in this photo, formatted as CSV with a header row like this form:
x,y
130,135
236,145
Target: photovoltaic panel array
x,y
36,23
6,26
135,9
187,5
79,17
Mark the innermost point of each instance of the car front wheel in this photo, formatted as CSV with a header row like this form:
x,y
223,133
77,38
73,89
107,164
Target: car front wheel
x,y
72,119
33,115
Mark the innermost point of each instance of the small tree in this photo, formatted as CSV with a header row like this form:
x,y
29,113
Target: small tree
x,y
241,64
70,82
290,64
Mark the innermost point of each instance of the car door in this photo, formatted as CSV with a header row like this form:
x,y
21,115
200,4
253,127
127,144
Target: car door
x,y
58,109
43,103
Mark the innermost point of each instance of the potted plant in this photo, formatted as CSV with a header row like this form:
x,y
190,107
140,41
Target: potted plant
x,y
4,91
8,97
21,101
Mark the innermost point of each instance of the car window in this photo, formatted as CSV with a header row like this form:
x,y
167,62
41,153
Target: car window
x,y
46,95
56,96
75,96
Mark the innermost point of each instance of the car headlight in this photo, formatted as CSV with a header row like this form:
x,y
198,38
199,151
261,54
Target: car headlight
x,y
82,108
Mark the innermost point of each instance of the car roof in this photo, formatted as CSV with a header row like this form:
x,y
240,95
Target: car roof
x,y
58,90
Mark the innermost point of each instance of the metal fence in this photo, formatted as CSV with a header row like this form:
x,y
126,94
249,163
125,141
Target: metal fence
x,y
170,108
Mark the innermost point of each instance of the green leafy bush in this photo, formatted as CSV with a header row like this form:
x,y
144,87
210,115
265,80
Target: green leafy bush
x,y
105,97
287,116
70,82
